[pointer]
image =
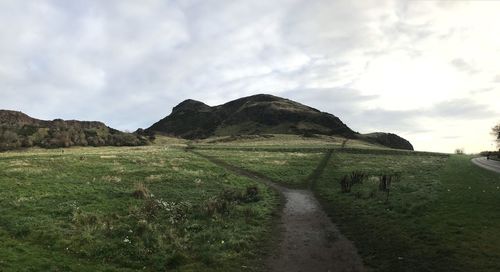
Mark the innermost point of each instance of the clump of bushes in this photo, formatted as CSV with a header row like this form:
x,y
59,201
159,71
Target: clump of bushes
x,y
58,133
385,181
347,181
222,203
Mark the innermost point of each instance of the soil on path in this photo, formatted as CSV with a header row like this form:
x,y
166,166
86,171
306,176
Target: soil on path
x,y
310,242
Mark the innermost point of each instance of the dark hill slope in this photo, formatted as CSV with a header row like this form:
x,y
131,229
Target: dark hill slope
x,y
386,139
259,114
20,130
250,115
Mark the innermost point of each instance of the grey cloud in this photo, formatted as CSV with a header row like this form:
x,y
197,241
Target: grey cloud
x,y
483,90
461,109
397,121
496,79
464,66
349,105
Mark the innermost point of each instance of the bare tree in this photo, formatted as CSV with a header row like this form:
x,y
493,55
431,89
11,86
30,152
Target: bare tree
x,y
495,131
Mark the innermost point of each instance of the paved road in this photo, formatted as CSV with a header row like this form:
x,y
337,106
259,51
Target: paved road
x,y
487,164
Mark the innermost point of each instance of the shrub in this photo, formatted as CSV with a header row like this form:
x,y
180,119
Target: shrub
x,y
141,191
347,181
385,182
357,177
222,203
252,195
9,140
151,207
345,186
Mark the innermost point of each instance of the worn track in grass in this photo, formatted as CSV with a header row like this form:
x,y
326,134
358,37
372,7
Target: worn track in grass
x,y
310,241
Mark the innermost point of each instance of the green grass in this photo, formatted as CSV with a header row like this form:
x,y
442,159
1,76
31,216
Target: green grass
x,y
432,220
441,216
283,141
287,168
74,211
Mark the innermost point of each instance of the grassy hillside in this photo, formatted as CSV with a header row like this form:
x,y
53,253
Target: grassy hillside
x,y
120,209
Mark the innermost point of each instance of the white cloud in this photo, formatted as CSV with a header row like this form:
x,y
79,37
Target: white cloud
x,y
378,65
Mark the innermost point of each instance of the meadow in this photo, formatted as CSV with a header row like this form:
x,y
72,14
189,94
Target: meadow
x,y
441,214
161,207
151,208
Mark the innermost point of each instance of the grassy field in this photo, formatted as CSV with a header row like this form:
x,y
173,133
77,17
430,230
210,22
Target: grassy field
x,y
282,141
287,168
120,209
159,207
442,215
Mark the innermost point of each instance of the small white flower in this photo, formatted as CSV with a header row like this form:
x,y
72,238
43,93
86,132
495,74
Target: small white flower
x,y
222,242
126,240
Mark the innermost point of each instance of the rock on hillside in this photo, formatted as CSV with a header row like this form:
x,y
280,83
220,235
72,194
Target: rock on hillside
x,y
20,130
387,139
257,114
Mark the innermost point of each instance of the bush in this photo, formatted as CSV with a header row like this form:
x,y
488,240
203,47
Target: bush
x,y
347,181
222,203
9,140
385,182
141,191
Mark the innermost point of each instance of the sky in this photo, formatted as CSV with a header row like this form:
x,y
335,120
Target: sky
x,y
428,71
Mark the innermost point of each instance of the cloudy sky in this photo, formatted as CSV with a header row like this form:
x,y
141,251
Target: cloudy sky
x,y
426,70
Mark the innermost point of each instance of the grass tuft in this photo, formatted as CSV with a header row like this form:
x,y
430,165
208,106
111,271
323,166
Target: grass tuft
x,y
141,191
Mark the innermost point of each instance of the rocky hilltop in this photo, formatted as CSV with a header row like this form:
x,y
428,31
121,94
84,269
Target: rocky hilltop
x,y
20,130
260,114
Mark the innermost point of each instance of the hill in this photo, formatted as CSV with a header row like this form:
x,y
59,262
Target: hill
x,y
260,114
20,130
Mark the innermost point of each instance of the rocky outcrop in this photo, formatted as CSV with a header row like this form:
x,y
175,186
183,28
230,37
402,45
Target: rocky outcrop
x,y
20,130
387,139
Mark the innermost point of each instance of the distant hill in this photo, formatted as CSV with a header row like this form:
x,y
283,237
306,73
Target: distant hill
x,y
20,130
260,114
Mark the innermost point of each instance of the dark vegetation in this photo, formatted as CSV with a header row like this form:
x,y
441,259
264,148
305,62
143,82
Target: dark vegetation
x,y
387,139
347,181
18,130
261,114
495,131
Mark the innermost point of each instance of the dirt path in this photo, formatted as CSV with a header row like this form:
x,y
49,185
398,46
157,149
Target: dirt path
x,y
491,165
310,242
